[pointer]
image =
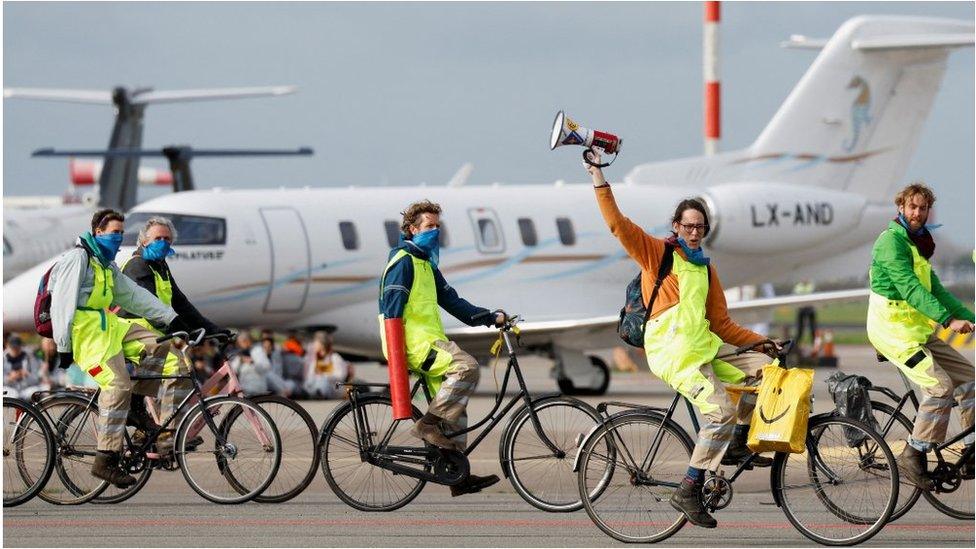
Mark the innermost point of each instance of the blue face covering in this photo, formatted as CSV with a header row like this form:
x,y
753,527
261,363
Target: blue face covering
x,y
696,256
109,243
904,222
429,242
157,250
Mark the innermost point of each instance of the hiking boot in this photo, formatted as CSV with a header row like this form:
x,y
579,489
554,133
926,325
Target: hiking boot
x,y
106,467
737,452
473,484
428,428
687,499
911,467
164,444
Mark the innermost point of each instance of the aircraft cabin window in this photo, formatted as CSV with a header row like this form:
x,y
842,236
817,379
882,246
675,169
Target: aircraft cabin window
x,y
191,230
488,233
566,233
527,228
442,239
350,239
392,232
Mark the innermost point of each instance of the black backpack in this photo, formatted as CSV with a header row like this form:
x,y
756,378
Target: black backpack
x,y
633,315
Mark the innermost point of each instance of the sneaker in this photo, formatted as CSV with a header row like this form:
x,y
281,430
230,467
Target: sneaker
x,y
687,499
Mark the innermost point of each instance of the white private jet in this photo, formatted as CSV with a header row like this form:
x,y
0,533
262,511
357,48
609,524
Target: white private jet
x,y
811,193
35,234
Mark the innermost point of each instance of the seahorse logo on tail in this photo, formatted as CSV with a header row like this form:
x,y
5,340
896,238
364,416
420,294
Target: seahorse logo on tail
x,y
860,111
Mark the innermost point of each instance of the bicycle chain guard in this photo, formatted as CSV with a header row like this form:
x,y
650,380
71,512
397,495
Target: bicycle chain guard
x,y
716,493
946,477
451,467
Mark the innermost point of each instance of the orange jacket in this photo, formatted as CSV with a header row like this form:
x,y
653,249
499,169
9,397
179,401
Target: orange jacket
x,y
647,251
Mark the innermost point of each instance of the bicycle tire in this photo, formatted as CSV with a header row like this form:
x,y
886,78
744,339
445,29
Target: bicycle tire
x,y
339,450
670,466
20,431
824,454
908,493
241,441
299,452
556,490
72,420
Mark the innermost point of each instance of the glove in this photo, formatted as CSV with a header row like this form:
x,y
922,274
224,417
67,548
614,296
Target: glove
x,y
65,360
177,325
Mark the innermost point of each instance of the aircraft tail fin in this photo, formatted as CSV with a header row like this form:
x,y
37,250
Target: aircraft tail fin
x,y
119,179
853,121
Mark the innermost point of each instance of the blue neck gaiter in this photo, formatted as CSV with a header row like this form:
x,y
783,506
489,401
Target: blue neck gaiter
x,y
109,244
157,250
696,256
908,227
429,242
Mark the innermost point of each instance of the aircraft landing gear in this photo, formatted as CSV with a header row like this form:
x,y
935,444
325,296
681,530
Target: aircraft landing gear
x,y
580,375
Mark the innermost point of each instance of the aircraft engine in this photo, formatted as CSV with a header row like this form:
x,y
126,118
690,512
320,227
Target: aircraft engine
x,y
754,218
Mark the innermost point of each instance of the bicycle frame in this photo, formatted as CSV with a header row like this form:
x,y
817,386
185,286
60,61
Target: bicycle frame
x,y
492,421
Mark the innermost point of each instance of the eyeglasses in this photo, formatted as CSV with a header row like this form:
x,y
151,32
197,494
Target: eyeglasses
x,y
690,227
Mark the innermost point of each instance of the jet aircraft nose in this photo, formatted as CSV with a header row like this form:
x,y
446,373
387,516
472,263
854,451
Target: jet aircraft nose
x,y
18,298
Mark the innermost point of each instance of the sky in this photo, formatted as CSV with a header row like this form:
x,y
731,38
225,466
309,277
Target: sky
x,y
404,93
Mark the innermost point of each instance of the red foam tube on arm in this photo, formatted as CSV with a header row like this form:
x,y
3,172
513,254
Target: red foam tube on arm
x,y
397,368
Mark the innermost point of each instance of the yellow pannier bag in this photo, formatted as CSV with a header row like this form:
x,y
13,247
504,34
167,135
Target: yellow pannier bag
x,y
779,422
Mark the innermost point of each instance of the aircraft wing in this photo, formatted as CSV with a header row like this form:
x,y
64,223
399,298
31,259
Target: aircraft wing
x,y
70,96
600,327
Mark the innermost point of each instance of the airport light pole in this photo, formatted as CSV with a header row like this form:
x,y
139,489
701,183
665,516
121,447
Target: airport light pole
x,y
712,86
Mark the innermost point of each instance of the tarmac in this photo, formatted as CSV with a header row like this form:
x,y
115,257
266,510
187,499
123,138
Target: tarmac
x,y
167,513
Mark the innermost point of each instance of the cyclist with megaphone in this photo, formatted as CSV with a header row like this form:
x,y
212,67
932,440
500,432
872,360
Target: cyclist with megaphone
x,y
687,327
412,290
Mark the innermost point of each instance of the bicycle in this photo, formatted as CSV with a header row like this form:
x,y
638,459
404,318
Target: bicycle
x,y
629,466
297,429
372,463
953,494
234,448
28,451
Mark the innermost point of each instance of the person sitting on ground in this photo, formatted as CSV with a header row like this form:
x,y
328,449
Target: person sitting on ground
x,y
23,375
325,368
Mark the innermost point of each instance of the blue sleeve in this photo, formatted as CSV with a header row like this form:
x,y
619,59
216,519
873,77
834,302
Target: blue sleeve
x,y
460,308
396,288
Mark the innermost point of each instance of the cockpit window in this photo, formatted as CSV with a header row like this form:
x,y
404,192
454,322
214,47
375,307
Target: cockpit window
x,y
191,230
7,250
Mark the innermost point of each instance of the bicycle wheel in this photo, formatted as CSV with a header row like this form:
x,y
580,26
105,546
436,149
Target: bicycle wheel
x,y
542,477
299,455
896,428
624,497
238,459
835,493
360,484
28,452
958,503
73,422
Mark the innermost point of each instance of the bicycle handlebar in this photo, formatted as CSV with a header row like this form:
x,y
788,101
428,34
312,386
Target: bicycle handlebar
x,y
191,341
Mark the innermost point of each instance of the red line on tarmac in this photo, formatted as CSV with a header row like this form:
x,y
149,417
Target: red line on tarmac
x,y
101,522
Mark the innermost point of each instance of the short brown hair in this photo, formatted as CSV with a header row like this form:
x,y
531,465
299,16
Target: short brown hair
x,y
411,216
909,192
103,217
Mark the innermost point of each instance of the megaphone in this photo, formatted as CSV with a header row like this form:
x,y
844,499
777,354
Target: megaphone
x,y
567,132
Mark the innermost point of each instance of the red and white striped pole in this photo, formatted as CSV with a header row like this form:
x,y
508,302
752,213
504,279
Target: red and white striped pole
x,y
712,88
